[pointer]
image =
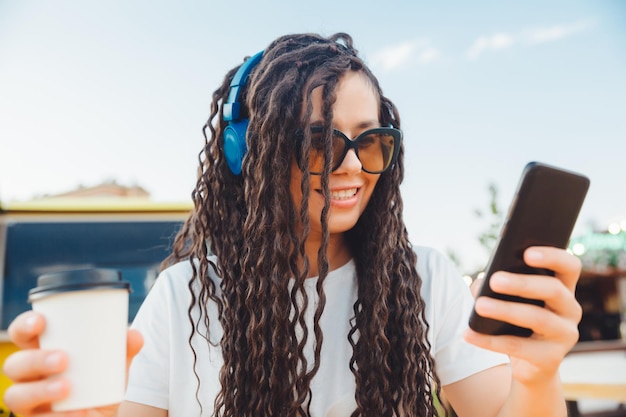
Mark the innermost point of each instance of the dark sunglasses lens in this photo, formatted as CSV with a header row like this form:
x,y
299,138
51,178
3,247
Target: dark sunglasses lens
x,y
375,150
316,153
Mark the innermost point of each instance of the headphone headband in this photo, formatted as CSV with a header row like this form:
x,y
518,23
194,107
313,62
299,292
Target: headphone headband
x,y
234,136
232,106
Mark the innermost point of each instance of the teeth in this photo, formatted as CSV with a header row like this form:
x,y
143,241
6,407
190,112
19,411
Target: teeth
x,y
343,194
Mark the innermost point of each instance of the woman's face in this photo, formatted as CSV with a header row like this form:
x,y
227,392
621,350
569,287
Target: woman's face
x,y
355,110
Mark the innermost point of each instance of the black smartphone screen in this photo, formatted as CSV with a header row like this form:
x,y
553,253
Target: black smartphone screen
x,y
543,213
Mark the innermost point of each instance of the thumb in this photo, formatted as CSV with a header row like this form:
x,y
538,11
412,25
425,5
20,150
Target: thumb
x,y
476,285
133,346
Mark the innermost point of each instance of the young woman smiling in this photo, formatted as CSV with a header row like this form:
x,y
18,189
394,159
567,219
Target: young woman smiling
x,y
293,289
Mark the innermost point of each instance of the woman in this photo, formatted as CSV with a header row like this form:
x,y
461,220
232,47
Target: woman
x,y
293,289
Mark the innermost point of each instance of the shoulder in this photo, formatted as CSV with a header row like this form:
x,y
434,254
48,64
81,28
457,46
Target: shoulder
x,y
442,282
178,275
430,259
177,271
436,270
172,282
175,287
173,298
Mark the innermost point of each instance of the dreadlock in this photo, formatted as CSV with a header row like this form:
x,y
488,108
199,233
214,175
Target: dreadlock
x,y
250,226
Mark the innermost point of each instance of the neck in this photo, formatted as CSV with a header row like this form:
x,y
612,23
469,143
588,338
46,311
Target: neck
x,y
337,253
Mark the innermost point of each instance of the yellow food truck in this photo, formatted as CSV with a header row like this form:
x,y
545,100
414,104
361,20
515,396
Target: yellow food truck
x,y
130,235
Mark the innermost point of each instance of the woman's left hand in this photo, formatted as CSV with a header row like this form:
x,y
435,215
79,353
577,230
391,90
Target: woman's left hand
x,y
535,359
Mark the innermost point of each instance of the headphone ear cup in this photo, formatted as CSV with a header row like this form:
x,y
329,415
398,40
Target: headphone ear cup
x,y
235,144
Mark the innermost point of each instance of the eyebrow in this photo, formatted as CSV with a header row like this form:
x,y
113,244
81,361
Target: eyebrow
x,y
369,123
362,125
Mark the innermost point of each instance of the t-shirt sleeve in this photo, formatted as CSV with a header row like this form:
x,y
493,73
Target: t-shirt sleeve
x,y
448,305
148,380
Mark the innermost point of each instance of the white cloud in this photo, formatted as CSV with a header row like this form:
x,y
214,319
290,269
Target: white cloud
x,y
531,36
404,54
395,56
493,42
556,32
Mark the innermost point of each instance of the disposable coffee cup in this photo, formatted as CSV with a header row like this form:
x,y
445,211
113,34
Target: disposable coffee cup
x,y
86,314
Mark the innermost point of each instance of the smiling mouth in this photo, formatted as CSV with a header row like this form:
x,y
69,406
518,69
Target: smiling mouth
x,y
343,194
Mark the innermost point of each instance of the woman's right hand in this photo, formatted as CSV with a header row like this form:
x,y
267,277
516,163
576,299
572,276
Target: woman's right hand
x,y
35,372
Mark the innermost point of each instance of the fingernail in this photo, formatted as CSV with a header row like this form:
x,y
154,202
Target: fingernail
x,y
469,335
534,255
485,304
56,387
30,323
500,280
53,360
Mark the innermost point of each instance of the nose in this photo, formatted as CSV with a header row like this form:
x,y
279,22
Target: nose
x,y
351,163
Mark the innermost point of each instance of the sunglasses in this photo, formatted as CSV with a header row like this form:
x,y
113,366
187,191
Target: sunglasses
x,y
377,149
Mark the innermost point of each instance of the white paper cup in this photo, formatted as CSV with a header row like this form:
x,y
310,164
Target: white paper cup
x,y
86,314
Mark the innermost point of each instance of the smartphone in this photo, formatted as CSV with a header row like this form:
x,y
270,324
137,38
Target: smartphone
x,y
543,213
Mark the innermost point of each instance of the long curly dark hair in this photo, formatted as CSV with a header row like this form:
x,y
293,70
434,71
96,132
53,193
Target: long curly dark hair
x,y
250,226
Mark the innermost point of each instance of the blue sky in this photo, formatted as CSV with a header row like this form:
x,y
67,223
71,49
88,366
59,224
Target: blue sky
x,y
91,91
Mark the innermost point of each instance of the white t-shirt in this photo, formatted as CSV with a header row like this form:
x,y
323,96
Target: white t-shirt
x,y
162,374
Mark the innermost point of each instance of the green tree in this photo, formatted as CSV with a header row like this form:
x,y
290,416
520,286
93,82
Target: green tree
x,y
493,217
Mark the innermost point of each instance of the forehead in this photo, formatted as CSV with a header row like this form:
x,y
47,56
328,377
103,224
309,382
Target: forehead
x,y
355,100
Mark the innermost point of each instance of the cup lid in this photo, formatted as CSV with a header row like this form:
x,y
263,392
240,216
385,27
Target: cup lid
x,y
77,280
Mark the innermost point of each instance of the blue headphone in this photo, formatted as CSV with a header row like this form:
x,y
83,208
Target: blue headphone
x,y
235,132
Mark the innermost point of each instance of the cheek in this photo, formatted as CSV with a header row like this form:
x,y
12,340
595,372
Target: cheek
x,y
372,180
295,190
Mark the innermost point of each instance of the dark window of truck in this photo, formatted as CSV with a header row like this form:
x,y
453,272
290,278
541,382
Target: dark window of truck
x,y
136,249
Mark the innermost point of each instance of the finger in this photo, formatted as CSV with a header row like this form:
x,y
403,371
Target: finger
x,y
34,364
134,343
476,286
544,323
557,297
566,266
31,397
24,331
543,354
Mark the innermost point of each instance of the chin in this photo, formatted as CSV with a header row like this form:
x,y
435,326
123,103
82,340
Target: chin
x,y
341,225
